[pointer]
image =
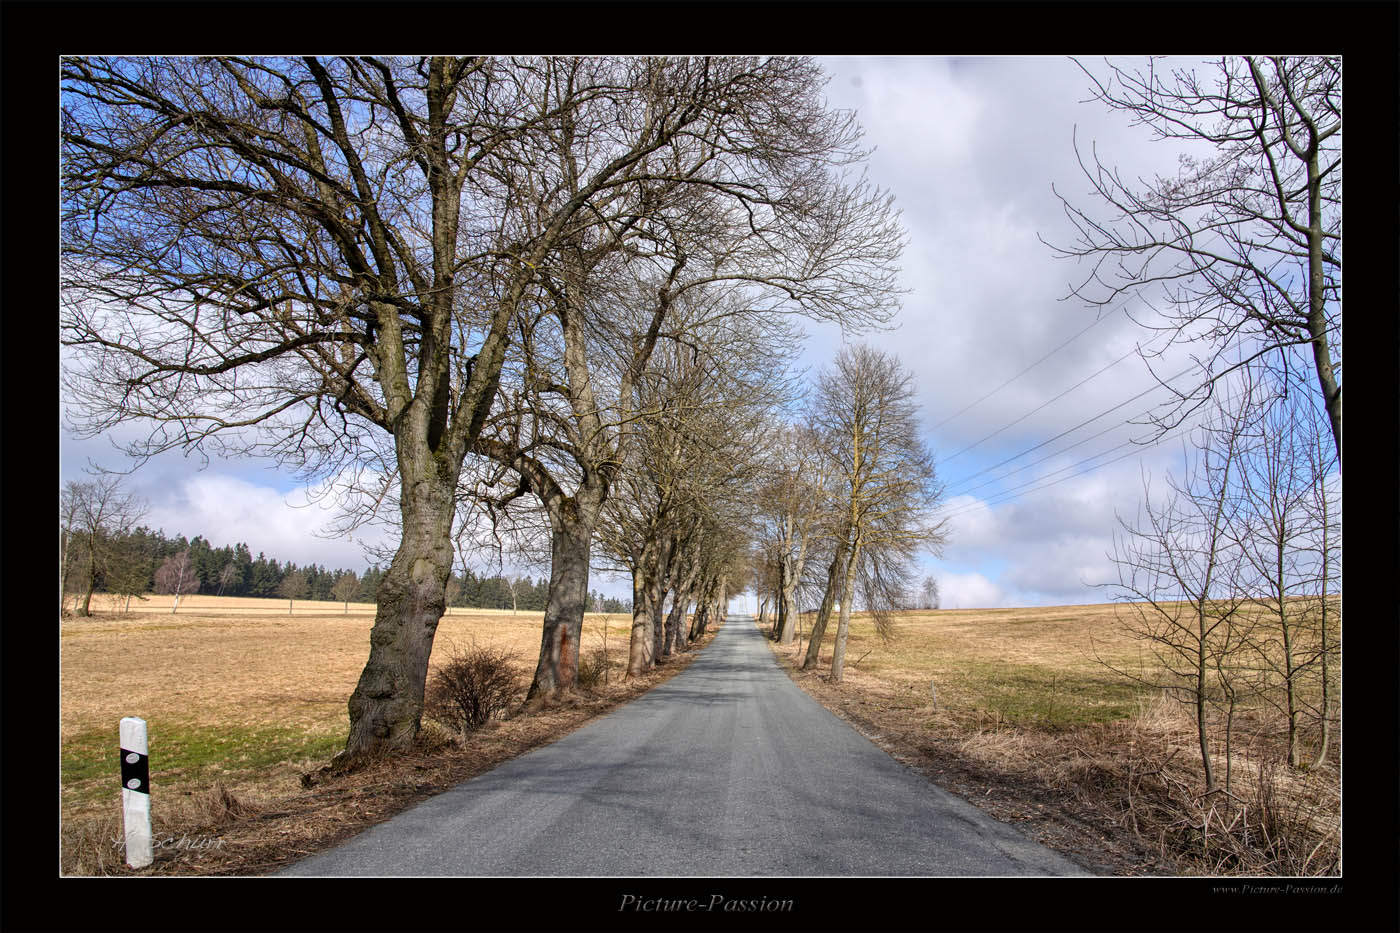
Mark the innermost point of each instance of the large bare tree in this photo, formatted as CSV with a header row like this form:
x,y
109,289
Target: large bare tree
x,y
885,486
1243,244
790,504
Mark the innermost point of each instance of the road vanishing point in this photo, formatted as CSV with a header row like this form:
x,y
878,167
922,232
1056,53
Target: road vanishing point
x,y
727,769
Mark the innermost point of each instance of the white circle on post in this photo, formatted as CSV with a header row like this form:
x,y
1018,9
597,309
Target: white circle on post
x,y
132,758
133,783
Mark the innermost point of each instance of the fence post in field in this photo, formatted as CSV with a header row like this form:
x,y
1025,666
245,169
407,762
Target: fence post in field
x,y
136,792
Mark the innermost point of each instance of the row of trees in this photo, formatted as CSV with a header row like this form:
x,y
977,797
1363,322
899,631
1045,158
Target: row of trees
x,y
472,286
847,504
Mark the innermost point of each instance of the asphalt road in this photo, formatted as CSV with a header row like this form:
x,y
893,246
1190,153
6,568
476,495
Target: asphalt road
x,y
727,769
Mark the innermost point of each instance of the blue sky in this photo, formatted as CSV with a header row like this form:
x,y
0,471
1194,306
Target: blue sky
x,y
970,148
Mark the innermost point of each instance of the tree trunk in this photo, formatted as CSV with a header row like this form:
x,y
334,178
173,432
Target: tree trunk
x,y
675,622
656,597
639,649
387,706
91,579
1317,320
843,627
1326,695
787,601
1200,698
1290,674
658,627
833,574
571,541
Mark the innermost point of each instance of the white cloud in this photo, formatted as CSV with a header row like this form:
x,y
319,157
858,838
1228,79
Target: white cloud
x,y
226,510
969,591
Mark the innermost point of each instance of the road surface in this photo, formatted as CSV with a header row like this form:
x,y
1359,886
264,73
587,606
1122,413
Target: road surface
x,y
727,769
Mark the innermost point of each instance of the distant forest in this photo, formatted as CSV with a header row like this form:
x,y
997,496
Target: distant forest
x,y
234,571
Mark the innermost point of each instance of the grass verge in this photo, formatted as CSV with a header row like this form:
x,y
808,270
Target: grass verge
x,y
1013,711
234,793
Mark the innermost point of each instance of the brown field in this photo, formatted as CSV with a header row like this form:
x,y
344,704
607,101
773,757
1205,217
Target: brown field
x,y
241,701
1030,722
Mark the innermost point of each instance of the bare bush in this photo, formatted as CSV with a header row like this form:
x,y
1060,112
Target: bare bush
x,y
471,687
593,668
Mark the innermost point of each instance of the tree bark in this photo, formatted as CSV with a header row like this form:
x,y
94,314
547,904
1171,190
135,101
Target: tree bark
x,y
843,626
656,595
791,572
675,622
91,577
639,649
1326,694
824,613
386,708
570,544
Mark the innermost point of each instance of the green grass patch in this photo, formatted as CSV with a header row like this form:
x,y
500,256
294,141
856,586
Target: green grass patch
x,y
1030,694
192,753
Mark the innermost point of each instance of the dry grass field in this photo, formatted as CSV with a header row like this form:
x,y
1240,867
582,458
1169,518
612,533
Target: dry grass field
x,y
1030,722
241,701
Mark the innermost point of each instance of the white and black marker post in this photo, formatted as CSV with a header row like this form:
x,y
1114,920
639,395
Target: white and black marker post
x,y
136,792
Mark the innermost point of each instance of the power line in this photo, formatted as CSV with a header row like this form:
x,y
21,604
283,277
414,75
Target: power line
x,y
1113,427
1042,405
1014,494
1088,421
999,499
1047,356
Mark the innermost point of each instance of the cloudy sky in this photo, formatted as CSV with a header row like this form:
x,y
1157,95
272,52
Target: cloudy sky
x,y
970,148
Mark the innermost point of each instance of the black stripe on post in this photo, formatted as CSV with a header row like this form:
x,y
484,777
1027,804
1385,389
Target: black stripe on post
x,y
136,771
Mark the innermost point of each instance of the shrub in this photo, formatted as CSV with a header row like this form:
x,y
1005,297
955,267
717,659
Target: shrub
x,y
593,668
471,687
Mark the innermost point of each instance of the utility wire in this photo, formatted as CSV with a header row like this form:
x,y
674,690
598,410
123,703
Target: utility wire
x,y
1055,453
1042,405
1047,356
1087,421
1014,494
999,499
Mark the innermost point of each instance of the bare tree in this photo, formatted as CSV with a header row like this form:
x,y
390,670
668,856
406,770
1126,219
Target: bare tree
x,y
94,514
749,215
226,576
690,461
293,587
790,502
1244,244
886,486
68,540
1273,536
177,576
128,573
1179,579
928,593
1323,510
345,588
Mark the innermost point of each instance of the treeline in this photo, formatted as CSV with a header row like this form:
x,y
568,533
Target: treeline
x,y
135,561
